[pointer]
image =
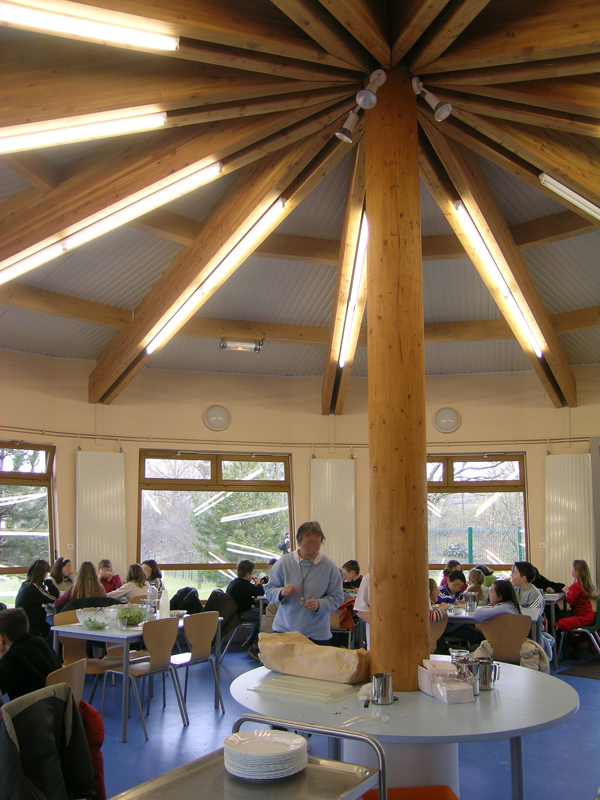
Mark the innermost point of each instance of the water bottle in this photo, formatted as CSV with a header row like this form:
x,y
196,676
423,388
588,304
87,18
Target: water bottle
x,y
152,596
164,609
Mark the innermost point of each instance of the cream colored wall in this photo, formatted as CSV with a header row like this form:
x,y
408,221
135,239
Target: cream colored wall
x,y
45,400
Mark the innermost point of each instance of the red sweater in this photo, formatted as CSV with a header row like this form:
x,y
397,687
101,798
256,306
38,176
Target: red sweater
x,y
580,603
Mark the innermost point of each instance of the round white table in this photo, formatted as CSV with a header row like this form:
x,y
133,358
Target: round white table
x,y
421,736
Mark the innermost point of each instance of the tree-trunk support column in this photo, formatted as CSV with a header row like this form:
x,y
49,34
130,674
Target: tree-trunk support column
x,y
397,443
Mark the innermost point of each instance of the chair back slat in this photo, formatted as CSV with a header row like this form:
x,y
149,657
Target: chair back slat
x,y
200,630
506,633
74,675
66,618
159,638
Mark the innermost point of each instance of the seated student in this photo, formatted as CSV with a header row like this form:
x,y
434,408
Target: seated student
x,y
25,660
35,593
87,591
245,589
452,591
437,611
109,581
502,601
265,578
476,585
451,565
351,576
61,574
136,585
362,606
522,576
545,585
153,573
579,596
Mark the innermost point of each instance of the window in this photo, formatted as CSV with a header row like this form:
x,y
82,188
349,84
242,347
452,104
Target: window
x,y
25,511
476,509
200,513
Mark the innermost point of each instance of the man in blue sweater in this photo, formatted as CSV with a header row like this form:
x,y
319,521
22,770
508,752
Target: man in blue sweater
x,y
308,587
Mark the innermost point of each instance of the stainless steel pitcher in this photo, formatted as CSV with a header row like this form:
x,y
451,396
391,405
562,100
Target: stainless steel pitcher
x,y
489,673
383,691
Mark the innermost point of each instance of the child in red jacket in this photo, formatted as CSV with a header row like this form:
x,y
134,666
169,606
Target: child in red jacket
x,y
578,597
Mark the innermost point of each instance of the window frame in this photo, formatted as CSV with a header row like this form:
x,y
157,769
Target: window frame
x,y
215,483
40,479
450,486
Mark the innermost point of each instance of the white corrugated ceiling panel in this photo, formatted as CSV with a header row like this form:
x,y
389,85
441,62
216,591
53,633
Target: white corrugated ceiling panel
x,y
64,154
118,268
567,273
582,347
204,355
198,204
453,291
11,183
359,367
517,200
458,358
433,222
269,290
44,334
321,214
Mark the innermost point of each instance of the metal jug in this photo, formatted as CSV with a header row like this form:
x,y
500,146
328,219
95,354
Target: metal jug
x,y
383,691
470,602
489,673
468,668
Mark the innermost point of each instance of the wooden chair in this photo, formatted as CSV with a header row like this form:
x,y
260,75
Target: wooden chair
x,y
73,675
591,631
436,629
159,639
199,630
506,633
74,650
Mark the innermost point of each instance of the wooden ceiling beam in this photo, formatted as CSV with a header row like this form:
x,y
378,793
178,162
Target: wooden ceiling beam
x,y
100,81
367,22
409,21
521,113
572,95
30,298
252,61
133,169
255,189
516,73
447,27
450,171
572,160
259,27
36,169
320,25
510,32
457,127
355,201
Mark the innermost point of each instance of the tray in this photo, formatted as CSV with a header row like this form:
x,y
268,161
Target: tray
x,y
305,689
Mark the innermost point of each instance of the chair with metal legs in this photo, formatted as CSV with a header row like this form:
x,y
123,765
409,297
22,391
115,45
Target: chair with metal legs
x,y
159,639
199,630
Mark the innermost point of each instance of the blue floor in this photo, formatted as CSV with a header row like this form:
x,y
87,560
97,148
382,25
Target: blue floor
x,y
563,762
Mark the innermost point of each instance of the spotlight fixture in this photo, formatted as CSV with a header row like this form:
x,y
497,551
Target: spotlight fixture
x,y
367,98
573,197
245,347
441,110
345,132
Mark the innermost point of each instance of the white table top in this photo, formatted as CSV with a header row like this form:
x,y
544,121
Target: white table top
x,y
555,597
113,633
522,702
463,616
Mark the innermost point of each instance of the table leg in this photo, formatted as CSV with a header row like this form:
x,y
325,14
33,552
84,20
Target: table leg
x,y
334,749
553,633
218,659
516,768
125,710
55,642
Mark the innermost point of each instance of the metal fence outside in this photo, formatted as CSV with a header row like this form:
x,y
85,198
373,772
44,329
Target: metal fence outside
x,y
477,545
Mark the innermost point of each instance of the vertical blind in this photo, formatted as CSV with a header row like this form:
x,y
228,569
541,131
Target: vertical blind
x,y
332,504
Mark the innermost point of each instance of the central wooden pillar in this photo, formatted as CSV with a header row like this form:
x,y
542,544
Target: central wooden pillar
x,y
397,444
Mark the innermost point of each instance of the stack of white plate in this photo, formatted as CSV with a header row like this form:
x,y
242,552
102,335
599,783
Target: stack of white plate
x,y
263,755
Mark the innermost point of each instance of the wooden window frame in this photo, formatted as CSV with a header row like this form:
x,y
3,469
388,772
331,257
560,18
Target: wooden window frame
x,y
45,479
215,483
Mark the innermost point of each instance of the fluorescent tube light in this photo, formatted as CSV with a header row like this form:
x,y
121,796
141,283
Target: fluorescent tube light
x,y
110,218
573,197
360,260
34,139
219,273
246,347
23,16
495,275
